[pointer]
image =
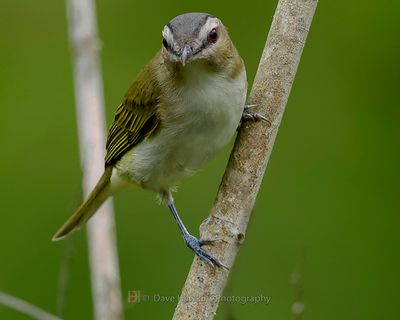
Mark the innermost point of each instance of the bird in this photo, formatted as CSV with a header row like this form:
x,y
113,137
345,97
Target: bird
x,y
182,109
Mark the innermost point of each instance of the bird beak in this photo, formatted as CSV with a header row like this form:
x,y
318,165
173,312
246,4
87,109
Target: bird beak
x,y
185,55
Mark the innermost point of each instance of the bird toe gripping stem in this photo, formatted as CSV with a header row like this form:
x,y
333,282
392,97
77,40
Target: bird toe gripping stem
x,y
196,245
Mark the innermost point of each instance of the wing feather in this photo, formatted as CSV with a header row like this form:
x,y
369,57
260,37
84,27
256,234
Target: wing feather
x,y
136,118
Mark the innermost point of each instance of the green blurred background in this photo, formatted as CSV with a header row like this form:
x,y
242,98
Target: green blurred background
x,y
329,204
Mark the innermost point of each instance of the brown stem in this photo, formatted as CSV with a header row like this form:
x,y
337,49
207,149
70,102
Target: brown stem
x,y
239,187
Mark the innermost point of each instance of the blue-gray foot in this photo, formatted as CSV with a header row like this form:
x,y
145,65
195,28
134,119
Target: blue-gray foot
x,y
196,245
192,242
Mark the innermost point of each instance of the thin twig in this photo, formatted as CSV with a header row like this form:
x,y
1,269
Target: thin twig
x,y
103,254
241,182
25,307
63,277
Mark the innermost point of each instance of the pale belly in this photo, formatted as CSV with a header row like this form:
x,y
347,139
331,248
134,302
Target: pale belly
x,y
180,148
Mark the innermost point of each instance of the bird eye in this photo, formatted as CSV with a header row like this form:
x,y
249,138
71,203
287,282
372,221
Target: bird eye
x,y
212,36
165,43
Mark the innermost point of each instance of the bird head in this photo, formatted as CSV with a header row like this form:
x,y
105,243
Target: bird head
x,y
194,36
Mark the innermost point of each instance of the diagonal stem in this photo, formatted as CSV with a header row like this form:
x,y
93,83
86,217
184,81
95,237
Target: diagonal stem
x,y
25,307
239,187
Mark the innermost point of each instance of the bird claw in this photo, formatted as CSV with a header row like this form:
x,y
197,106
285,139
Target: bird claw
x,y
252,116
196,246
249,106
207,242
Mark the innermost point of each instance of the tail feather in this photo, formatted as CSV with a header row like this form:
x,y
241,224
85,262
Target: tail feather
x,y
95,199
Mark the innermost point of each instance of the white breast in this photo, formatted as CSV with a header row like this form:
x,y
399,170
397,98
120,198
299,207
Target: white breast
x,y
200,121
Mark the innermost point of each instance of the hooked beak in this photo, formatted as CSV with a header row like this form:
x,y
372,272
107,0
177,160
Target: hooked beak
x,y
186,54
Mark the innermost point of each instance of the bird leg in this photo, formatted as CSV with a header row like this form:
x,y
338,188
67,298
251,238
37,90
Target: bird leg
x,y
251,116
192,242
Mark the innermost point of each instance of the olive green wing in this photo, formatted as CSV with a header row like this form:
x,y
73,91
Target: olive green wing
x,y
131,125
136,118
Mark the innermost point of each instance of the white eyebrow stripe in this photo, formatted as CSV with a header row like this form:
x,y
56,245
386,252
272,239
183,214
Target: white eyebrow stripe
x,y
167,35
211,23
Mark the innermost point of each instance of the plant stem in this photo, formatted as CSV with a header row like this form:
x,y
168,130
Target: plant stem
x,y
239,187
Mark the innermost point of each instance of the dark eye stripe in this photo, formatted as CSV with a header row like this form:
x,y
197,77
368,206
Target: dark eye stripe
x,y
165,43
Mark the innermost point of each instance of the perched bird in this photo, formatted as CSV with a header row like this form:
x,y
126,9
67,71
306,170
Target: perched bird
x,y
183,108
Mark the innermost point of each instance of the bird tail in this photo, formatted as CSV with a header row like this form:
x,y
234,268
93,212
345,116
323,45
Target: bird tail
x,y
100,193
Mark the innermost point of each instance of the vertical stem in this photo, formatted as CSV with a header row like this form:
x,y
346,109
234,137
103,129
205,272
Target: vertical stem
x,y
103,254
241,182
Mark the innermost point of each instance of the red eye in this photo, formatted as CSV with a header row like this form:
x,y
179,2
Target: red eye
x,y
212,36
